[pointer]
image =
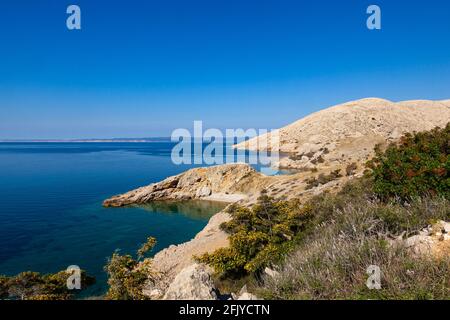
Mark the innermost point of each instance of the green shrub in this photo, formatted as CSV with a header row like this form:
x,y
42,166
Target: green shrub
x,y
418,165
3,287
259,236
35,286
127,276
146,247
125,280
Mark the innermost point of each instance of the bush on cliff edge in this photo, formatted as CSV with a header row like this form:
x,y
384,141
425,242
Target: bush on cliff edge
x,y
258,236
419,164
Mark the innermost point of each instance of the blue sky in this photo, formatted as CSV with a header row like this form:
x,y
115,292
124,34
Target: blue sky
x,y
143,68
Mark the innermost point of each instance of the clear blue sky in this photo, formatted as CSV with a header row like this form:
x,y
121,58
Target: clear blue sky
x,y
143,68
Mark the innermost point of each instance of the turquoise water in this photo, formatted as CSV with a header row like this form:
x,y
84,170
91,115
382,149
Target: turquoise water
x,y
51,214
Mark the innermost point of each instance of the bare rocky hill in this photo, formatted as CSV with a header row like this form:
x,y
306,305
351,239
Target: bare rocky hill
x,y
348,132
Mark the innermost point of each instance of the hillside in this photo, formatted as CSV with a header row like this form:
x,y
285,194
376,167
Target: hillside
x,y
348,132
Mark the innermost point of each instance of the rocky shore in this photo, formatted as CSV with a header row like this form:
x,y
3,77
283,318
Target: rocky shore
x,y
227,183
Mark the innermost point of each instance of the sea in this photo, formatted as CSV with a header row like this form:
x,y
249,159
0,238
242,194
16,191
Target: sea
x,y
51,213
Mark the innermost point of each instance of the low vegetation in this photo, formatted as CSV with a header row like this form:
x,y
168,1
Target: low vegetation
x,y
352,232
127,276
258,236
418,164
35,286
146,247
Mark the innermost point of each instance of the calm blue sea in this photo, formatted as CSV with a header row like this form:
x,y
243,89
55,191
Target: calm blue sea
x,y
50,205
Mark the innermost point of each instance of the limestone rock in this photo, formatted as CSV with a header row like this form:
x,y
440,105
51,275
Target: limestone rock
x,y
243,290
192,283
434,241
244,295
271,273
445,226
203,192
232,179
153,294
420,244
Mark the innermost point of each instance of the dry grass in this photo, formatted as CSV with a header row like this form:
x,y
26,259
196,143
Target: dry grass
x,y
352,232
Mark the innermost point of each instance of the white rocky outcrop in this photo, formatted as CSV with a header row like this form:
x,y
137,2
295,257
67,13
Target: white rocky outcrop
x,y
192,283
237,180
433,241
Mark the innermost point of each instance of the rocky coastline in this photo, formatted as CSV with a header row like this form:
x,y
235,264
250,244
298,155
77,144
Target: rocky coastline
x,y
337,140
